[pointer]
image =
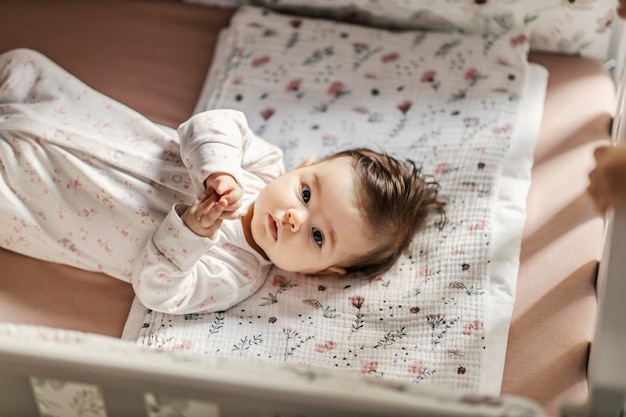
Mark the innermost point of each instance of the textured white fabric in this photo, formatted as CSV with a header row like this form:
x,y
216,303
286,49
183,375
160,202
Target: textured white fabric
x,y
576,27
461,107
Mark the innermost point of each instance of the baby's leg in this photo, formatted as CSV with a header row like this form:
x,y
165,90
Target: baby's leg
x,y
78,170
27,194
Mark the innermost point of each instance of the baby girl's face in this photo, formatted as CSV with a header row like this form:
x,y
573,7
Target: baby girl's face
x,y
307,220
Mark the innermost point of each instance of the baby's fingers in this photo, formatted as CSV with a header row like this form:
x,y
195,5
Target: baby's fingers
x,y
231,211
232,195
209,211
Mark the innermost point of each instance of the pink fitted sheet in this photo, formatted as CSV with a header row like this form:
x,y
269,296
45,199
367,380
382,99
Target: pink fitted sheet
x,y
555,306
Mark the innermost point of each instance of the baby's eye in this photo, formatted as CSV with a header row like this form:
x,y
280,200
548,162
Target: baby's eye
x,y
318,237
305,193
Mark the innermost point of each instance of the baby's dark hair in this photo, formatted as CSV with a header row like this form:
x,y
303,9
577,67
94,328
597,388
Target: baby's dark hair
x,y
395,199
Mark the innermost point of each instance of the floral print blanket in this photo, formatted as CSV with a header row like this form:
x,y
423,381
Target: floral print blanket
x,y
576,27
454,104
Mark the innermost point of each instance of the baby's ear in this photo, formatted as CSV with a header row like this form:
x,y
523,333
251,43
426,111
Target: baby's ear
x,y
309,161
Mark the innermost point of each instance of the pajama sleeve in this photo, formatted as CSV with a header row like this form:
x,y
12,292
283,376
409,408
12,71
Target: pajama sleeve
x,y
213,141
173,275
176,273
221,141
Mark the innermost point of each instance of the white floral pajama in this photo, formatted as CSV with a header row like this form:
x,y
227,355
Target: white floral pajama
x,y
88,182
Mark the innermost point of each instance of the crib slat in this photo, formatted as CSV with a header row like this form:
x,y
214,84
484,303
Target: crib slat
x,y
122,402
16,396
607,368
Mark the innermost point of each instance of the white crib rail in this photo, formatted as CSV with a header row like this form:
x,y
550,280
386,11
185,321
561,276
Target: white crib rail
x,y
607,360
124,372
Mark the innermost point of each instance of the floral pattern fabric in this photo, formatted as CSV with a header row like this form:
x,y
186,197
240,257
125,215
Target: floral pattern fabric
x,y
59,398
562,26
450,102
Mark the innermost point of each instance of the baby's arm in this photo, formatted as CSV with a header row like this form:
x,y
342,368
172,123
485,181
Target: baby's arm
x,y
607,181
176,272
174,275
212,143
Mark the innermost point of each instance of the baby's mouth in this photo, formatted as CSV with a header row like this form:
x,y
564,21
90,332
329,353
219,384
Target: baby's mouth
x,y
273,227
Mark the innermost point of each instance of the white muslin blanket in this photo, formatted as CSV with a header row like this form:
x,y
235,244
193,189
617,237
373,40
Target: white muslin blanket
x,y
467,109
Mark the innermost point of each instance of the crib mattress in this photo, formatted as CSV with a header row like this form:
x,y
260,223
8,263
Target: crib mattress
x,y
113,46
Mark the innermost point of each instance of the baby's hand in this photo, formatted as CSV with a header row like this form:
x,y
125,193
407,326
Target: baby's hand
x,y
607,181
203,216
226,188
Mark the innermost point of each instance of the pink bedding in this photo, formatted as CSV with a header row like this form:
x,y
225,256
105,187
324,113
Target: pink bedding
x,y
555,306
154,55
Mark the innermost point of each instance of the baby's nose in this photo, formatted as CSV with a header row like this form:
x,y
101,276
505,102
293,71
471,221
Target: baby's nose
x,y
293,218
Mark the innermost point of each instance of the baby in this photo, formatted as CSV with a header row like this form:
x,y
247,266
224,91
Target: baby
x,y
195,217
